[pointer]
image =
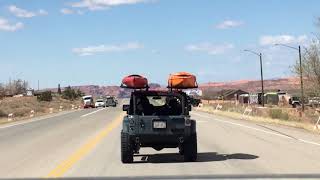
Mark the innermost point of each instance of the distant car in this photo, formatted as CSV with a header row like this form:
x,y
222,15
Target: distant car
x,y
295,101
111,101
100,103
87,101
314,102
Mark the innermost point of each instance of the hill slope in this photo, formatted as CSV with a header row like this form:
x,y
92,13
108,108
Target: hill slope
x,y
287,84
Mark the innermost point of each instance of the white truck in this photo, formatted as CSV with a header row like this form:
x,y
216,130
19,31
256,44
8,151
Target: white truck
x,y
88,101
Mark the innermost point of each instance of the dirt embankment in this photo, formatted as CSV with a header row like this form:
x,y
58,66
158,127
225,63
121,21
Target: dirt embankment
x,y
26,107
272,115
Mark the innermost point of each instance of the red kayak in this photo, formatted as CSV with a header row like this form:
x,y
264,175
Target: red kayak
x,y
134,82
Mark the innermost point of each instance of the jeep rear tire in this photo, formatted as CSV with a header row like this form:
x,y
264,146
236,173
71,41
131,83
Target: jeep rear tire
x,y
126,148
190,148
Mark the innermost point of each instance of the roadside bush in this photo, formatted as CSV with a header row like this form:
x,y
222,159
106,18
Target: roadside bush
x,y
2,114
275,113
71,94
284,116
21,112
278,114
45,96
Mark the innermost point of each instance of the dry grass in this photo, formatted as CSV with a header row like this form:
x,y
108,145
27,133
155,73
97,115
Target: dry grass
x,y
22,106
297,122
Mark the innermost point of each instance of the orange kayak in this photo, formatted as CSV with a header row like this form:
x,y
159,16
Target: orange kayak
x,y
182,80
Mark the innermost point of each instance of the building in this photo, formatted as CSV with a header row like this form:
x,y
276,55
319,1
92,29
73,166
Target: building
x,y
29,92
231,94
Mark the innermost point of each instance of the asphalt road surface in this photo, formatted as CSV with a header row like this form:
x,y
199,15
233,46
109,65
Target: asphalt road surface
x,y
86,143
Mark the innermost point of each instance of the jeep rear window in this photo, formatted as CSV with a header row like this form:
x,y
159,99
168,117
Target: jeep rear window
x,y
158,105
157,100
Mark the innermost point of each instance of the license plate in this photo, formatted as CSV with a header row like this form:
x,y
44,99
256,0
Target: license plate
x,y
159,124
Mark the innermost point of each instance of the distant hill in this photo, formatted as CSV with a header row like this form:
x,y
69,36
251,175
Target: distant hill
x,y
97,91
286,84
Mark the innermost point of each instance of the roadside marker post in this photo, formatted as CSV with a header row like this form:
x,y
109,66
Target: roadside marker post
x,y
50,110
72,106
10,117
247,112
218,107
60,108
32,113
317,126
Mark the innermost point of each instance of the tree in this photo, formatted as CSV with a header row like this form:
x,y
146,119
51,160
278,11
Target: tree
x,y
310,67
59,89
71,94
67,93
2,90
79,93
45,96
16,87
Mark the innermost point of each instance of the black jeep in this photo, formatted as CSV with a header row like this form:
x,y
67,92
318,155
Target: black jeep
x,y
158,119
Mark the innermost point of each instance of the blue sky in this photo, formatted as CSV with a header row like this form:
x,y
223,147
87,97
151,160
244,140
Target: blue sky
x,y
79,42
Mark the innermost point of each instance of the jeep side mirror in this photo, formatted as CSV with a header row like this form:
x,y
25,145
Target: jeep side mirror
x,y
126,107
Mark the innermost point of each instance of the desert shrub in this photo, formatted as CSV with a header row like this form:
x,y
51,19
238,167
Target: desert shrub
x,y
71,94
20,112
45,96
275,113
284,116
278,114
2,113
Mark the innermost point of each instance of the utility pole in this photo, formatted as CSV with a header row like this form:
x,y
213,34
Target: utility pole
x,y
261,74
300,70
38,86
301,80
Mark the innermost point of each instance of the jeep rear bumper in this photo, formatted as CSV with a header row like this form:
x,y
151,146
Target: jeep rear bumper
x,y
164,141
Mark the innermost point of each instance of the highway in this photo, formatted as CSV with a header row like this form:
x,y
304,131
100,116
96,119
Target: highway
x,y
86,143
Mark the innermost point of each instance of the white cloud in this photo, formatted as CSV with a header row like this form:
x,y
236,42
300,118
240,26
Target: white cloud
x,y
104,4
209,48
70,11
5,25
282,39
66,11
22,13
43,12
229,24
91,50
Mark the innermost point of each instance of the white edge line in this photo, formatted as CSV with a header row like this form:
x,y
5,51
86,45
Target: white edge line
x,y
35,120
241,125
309,142
257,129
92,112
